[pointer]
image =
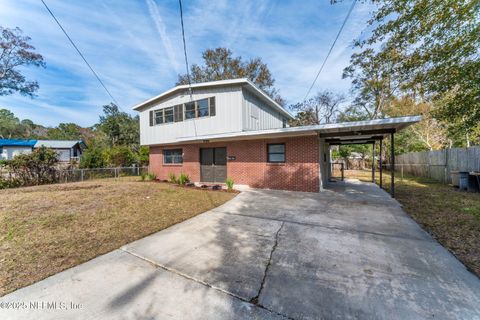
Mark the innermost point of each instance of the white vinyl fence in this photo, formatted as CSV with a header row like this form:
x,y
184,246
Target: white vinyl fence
x,y
439,164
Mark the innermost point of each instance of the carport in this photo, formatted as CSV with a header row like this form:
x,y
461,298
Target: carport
x,y
362,132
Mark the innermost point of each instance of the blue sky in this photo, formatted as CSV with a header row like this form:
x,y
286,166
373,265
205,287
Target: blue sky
x,y
135,46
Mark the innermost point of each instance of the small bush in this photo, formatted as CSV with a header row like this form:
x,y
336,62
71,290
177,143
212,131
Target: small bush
x,y
9,183
93,158
183,179
37,167
152,176
229,183
172,178
120,156
145,176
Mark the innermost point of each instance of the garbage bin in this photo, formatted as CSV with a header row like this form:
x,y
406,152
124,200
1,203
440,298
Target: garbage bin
x,y
455,178
473,182
463,183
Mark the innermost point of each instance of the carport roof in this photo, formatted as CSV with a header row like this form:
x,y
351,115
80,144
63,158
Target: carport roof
x,y
334,133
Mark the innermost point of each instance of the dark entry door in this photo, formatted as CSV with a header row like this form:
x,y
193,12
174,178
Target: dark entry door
x,y
213,164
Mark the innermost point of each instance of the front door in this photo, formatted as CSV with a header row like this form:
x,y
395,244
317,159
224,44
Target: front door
x,y
213,165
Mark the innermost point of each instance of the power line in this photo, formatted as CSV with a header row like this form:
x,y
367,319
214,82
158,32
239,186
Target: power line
x,y
185,49
186,63
80,53
331,48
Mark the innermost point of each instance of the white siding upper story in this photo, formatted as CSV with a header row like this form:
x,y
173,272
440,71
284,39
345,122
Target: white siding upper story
x,y
258,115
238,106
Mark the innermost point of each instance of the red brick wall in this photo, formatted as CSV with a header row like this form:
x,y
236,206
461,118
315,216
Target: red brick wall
x,y
300,172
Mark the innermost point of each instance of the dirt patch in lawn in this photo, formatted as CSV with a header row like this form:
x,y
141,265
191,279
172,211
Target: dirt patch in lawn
x,y
449,215
47,229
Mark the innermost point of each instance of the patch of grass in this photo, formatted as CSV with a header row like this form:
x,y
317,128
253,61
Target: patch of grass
x,y
47,229
449,215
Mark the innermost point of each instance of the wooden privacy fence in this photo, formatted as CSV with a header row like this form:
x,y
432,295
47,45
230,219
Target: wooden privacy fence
x,y
438,164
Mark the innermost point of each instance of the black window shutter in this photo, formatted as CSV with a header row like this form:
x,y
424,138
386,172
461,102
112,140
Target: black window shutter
x,y
151,118
212,106
178,110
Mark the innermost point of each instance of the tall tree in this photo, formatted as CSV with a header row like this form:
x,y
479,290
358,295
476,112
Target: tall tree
x,y
429,133
219,64
9,125
323,108
65,131
427,47
372,83
119,127
13,127
16,52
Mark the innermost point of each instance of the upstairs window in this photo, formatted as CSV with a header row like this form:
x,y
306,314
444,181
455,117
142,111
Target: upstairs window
x,y
159,116
173,156
276,153
168,117
202,108
190,110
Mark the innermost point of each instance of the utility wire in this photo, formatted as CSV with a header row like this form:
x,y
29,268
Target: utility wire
x,y
331,48
80,53
186,62
185,49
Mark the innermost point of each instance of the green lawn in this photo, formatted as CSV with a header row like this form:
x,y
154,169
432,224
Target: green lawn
x,y
46,229
451,216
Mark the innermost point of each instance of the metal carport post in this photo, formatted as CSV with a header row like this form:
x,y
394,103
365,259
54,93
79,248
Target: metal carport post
x,y
381,163
392,165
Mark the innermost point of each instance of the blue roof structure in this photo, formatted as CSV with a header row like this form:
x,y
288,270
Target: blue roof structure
x,y
17,143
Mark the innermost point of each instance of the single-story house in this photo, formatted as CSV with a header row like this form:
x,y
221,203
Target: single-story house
x,y
9,148
231,128
68,150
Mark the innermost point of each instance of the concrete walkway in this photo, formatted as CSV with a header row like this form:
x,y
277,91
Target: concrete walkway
x,y
347,253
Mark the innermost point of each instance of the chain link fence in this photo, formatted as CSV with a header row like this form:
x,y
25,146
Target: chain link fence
x,y
77,175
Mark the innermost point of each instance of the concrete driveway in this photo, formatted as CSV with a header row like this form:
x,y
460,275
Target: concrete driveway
x,y
347,253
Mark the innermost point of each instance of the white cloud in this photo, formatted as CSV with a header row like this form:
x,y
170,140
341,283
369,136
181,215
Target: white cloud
x,y
162,30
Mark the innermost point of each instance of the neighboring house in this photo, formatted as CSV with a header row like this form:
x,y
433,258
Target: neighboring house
x,y
231,128
9,148
68,150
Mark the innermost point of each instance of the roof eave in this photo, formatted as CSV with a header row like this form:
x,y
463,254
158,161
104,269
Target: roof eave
x,y
398,124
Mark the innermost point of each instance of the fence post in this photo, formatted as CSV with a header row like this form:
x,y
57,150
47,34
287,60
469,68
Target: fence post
x,y
81,174
401,166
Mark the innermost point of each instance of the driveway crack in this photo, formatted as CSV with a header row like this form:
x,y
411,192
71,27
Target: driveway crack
x,y
254,300
160,266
